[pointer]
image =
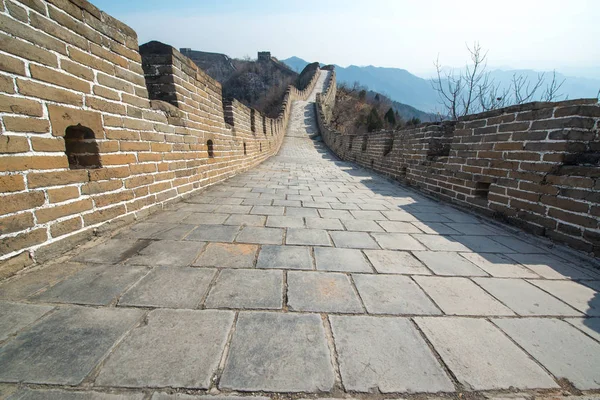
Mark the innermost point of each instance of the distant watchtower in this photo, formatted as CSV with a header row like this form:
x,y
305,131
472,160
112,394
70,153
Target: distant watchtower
x,y
264,56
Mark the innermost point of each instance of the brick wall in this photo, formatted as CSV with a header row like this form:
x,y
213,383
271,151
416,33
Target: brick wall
x,y
72,80
535,165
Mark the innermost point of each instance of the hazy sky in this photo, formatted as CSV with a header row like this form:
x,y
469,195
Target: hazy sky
x,y
530,34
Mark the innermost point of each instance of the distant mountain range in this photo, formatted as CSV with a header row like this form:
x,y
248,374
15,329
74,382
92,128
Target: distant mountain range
x,y
404,87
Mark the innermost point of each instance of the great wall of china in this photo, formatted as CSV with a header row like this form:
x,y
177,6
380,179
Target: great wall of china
x,y
97,133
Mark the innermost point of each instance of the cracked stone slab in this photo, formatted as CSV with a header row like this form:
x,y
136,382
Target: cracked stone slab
x,y
63,348
460,296
192,345
252,289
168,253
112,251
558,346
30,394
481,356
577,295
171,287
321,292
290,356
284,257
393,294
95,285
227,255
259,235
396,262
524,298
448,263
387,354
16,316
343,260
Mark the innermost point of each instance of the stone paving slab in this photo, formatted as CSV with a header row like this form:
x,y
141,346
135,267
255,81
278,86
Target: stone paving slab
x,y
499,265
95,285
440,243
341,260
213,233
167,253
112,251
196,340
549,267
227,255
577,295
447,263
387,354
16,316
307,237
240,289
559,347
27,284
291,356
353,240
64,347
29,394
182,396
284,257
396,262
460,296
170,287
481,356
393,294
590,326
260,235
322,292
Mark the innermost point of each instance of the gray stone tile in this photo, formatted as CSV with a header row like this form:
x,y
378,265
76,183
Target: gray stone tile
x,y
344,260
353,240
370,215
481,244
499,265
193,342
232,209
171,287
524,298
338,214
256,202
321,292
287,203
591,326
199,207
95,285
267,210
227,255
285,257
396,262
177,232
143,230
30,394
168,253
112,251
481,356
362,225
213,233
398,216
315,204
472,229
460,296
387,354
549,267
441,243
182,396
373,207
434,228
308,237
393,294
448,263
290,356
259,235
301,212
27,284
170,217
206,218
247,289
558,346
399,227
16,316
430,217
575,294
397,241
63,348
518,245
244,219
324,223
285,222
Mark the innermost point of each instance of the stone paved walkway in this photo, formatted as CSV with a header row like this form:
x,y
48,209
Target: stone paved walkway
x,y
306,274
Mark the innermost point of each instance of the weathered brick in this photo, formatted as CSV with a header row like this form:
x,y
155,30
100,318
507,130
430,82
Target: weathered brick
x,y
11,183
25,32
101,187
104,105
7,84
108,55
91,61
45,179
23,241
37,5
135,146
59,78
109,173
66,226
21,201
117,159
17,11
138,181
582,220
44,215
104,200
77,69
16,223
18,105
42,91
57,31
114,83
106,214
26,124
63,117
49,145
25,50
566,204
106,93
561,123
13,144
63,194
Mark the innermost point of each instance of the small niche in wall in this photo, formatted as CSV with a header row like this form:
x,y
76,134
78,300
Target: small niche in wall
x,y
388,146
482,189
252,120
364,144
245,152
210,148
264,119
81,147
350,143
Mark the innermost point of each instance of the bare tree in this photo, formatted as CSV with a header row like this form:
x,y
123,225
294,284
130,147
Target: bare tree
x,y
472,89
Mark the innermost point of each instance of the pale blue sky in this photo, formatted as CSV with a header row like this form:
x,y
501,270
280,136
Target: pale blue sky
x,y
530,34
